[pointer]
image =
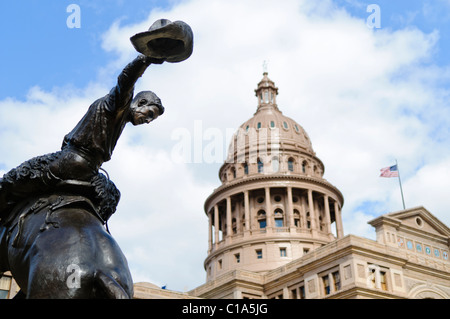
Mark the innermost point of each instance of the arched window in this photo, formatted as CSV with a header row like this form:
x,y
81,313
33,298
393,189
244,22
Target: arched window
x,y
260,166
262,219
290,164
278,215
304,166
296,218
233,172
245,168
308,221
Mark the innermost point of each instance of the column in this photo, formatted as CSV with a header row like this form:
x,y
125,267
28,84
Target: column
x,y
339,227
238,218
327,213
216,226
317,213
303,218
247,212
331,283
312,214
290,210
269,213
229,225
210,239
285,293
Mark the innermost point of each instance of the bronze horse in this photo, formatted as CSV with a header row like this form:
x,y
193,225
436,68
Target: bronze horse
x,y
56,243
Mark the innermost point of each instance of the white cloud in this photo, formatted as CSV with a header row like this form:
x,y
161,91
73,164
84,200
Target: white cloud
x,y
366,97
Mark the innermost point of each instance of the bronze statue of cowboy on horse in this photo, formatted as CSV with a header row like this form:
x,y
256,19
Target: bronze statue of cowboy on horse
x,y
54,208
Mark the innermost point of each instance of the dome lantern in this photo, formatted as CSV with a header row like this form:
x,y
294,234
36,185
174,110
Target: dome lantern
x,y
266,93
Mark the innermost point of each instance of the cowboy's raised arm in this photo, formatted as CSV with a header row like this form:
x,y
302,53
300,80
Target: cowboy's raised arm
x,y
122,93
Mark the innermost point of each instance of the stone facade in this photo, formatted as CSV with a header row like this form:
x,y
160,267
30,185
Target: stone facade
x,y
354,267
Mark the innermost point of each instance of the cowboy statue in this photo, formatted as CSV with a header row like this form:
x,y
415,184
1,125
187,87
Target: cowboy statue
x,y
54,208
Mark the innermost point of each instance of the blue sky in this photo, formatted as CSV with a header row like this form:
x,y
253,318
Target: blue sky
x,y
51,54
40,49
365,96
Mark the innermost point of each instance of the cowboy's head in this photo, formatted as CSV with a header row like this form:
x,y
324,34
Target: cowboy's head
x,y
145,107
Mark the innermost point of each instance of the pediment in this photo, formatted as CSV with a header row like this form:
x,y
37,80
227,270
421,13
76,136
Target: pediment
x,y
421,219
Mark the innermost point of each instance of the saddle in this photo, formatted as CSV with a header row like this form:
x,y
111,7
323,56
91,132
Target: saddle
x,y
33,179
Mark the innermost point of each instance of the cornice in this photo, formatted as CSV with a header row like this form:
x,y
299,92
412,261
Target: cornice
x,y
399,225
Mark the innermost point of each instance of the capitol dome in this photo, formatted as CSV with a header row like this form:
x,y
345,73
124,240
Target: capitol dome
x,y
273,204
270,142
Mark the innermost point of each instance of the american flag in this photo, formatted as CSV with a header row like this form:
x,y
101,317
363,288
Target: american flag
x,y
390,171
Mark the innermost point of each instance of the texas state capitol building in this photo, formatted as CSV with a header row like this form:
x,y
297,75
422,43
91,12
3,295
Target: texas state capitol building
x,y
275,228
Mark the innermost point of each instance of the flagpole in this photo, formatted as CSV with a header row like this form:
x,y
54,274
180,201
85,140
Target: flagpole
x,y
400,182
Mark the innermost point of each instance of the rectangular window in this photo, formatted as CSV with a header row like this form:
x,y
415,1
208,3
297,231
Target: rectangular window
x,y
278,222
302,292
294,294
259,254
326,284
262,223
383,280
237,258
220,263
337,281
283,252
